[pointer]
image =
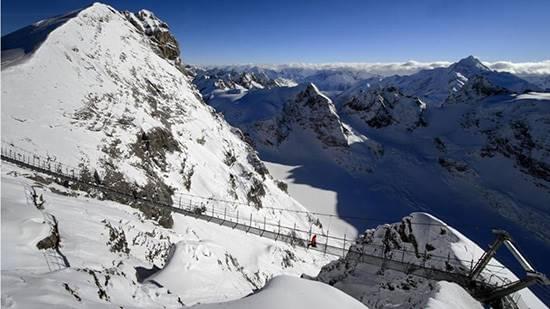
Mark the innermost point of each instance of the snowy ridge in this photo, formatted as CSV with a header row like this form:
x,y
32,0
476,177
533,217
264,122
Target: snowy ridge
x,y
434,86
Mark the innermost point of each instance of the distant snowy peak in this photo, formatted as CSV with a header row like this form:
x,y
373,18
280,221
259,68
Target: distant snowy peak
x,y
469,66
436,85
314,111
383,107
218,80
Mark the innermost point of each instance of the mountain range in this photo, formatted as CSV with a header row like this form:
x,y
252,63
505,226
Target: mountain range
x,y
104,94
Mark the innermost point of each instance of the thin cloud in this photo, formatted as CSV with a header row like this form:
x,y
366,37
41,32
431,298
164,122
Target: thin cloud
x,y
397,68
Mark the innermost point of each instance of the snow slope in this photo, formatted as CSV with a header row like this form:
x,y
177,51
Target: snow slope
x,y
199,262
292,293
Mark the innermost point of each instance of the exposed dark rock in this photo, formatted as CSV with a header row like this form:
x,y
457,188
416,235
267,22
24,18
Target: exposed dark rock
x,y
255,193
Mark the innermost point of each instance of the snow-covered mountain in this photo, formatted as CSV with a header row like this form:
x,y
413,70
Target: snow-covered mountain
x,y
430,81
106,92
435,85
332,80
215,79
113,97
541,80
482,149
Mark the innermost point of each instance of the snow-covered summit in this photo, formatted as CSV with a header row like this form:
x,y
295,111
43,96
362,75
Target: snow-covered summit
x,y
469,66
98,94
434,86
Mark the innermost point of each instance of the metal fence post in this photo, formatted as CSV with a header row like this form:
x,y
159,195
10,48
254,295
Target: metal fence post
x,y
326,243
278,229
344,246
309,236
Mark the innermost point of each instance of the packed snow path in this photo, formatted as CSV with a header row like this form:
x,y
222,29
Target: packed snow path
x,y
457,271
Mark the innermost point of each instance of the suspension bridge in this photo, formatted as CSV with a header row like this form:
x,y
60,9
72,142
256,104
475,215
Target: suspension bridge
x,y
475,276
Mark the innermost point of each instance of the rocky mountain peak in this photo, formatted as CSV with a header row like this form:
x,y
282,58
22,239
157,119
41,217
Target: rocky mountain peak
x,y
468,66
314,111
163,41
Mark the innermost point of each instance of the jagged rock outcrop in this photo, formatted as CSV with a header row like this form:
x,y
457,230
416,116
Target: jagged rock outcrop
x,y
380,108
164,42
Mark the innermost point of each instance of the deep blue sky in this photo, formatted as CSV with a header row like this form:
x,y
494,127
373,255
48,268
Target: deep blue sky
x,y
283,31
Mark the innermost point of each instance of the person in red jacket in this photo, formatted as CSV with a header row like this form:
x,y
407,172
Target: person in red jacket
x,y
313,241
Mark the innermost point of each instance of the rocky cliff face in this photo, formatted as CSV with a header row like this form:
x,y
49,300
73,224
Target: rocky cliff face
x,y
313,111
